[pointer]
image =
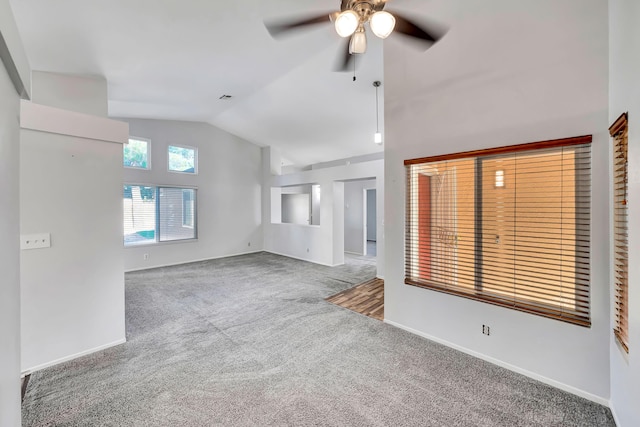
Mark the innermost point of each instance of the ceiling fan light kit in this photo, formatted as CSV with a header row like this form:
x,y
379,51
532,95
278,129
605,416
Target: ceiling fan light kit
x,y
351,21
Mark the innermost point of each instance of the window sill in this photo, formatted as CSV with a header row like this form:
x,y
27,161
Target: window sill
x,y
168,242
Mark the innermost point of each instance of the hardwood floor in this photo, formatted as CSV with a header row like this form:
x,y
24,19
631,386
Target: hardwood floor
x,y
366,298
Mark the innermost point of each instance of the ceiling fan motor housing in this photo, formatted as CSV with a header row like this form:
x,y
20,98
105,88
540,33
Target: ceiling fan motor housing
x,y
364,8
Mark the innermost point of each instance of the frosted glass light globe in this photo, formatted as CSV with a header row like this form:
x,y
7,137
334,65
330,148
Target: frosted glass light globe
x,y
347,23
382,24
358,43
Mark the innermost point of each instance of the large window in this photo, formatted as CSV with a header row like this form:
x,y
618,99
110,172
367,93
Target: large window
x,y
508,226
619,133
182,159
137,153
158,214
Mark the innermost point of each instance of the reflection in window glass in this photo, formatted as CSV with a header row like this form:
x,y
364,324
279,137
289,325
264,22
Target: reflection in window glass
x,y
182,159
139,204
136,154
158,214
188,201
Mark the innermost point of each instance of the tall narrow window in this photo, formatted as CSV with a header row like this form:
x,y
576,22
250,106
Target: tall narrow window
x,y
158,214
137,153
507,226
618,132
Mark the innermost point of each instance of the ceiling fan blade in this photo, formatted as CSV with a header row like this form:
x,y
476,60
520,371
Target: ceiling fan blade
x,y
279,28
409,28
345,60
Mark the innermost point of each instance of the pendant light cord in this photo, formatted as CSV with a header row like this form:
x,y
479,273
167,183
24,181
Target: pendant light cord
x,y
354,68
377,84
377,113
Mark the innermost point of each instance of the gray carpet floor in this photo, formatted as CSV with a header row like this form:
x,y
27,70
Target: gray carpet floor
x,y
250,341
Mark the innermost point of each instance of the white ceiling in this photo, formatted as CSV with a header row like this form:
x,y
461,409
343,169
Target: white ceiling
x,y
173,59
169,59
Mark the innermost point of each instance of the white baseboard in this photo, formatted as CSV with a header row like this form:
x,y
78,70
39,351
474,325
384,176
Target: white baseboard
x,y
302,259
354,253
543,379
171,264
613,412
228,256
71,357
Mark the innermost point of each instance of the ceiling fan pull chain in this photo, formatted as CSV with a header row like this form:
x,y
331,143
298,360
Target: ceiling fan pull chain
x,y
354,68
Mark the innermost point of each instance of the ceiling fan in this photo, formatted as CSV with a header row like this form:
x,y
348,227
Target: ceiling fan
x,y
350,23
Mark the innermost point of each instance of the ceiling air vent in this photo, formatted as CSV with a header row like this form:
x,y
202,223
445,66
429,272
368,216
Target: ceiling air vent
x,y
223,97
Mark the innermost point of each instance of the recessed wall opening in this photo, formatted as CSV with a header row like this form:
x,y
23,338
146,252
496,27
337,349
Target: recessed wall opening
x,y
371,238
298,204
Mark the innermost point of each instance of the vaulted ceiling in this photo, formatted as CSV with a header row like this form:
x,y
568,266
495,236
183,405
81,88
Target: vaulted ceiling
x,y
174,59
169,59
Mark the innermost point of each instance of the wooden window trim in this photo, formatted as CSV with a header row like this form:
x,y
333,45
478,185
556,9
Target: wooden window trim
x,y
564,142
619,134
582,296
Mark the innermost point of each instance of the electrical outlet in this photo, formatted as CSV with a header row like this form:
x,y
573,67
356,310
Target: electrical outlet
x,y
145,256
35,241
486,330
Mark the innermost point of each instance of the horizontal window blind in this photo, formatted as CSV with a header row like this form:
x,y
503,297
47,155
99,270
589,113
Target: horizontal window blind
x,y
619,133
158,214
509,226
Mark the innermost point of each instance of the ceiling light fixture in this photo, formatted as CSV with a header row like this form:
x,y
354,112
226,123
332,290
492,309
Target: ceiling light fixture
x,y
347,23
377,137
382,24
351,22
358,43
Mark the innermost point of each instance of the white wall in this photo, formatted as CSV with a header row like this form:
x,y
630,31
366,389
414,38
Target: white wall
x,y
323,244
354,215
371,215
9,253
74,93
72,294
229,192
10,219
624,96
533,71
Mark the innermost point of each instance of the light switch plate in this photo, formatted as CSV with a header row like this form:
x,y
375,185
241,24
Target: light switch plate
x,y
35,241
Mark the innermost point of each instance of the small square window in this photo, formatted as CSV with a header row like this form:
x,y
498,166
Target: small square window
x,y
137,153
183,159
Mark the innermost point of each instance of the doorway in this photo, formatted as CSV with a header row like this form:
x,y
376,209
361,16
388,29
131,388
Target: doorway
x,y
370,215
